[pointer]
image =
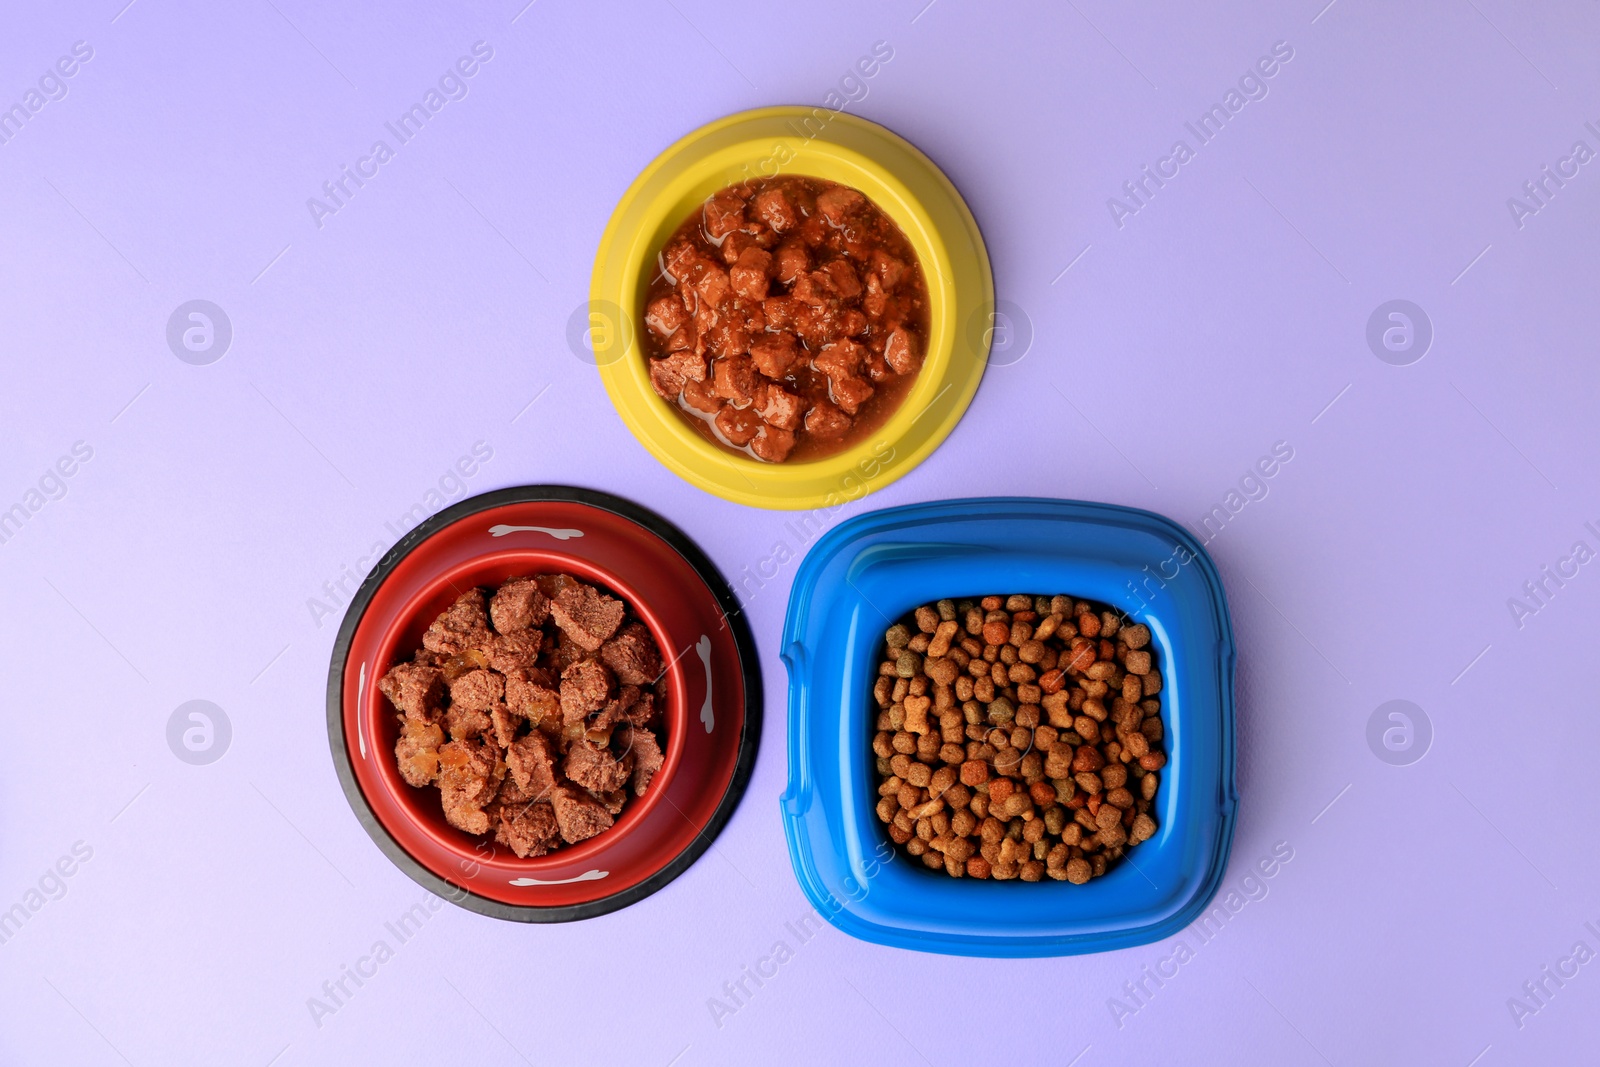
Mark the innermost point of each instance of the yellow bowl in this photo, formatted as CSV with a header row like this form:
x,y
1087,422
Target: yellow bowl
x,y
821,144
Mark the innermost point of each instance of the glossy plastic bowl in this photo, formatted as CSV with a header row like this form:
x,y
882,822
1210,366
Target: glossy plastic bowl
x,y
795,141
712,718
866,574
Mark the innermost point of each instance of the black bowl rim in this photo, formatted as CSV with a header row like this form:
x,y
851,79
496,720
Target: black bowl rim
x,y
749,738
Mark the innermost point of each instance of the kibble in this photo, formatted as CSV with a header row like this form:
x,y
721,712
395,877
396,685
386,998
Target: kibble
x,y
1018,737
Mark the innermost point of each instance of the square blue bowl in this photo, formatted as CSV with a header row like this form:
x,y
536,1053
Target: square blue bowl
x,y
870,571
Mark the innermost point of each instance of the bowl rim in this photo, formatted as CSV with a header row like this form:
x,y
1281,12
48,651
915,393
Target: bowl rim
x,y
799,799
907,186
750,726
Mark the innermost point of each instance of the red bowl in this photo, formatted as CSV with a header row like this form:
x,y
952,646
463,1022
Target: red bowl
x,y
712,715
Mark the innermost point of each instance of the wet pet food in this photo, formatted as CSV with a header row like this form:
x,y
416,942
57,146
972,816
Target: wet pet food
x,y
787,319
535,710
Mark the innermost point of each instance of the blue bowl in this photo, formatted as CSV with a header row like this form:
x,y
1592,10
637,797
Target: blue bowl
x,y
869,572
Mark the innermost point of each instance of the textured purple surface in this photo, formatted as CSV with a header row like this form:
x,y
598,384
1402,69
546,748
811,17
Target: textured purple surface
x,y
1229,312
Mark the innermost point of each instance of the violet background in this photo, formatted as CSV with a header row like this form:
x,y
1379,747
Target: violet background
x,y
368,354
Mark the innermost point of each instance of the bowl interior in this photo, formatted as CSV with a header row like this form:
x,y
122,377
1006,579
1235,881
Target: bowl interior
x,y
405,636
865,575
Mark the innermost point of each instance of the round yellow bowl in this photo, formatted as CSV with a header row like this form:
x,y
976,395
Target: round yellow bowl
x,y
815,143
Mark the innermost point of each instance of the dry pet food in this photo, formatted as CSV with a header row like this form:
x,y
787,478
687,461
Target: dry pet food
x,y
535,711
1018,737
788,318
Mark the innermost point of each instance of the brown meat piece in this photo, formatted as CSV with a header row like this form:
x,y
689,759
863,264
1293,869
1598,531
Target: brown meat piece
x,y
726,340
510,795
417,691
698,395
426,658
738,425
686,339
477,691
616,712
723,214
901,351
528,829
837,203
772,207
647,757
642,712
551,585
664,381
750,315
779,407
585,687
814,289
668,373
469,777
825,420
509,652
680,257
462,626
586,615
889,270
664,315
464,723
772,444
517,605
578,815
843,276
850,393
774,354
690,366
735,379
417,752
734,244
790,261
841,359
595,768
782,312
532,764
632,655
875,301
749,275
563,653
613,801
528,693
505,723
714,286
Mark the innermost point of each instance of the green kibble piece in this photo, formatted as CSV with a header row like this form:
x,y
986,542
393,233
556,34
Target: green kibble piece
x,y
1001,711
898,636
1055,818
908,665
1041,604
947,610
1065,787
973,712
